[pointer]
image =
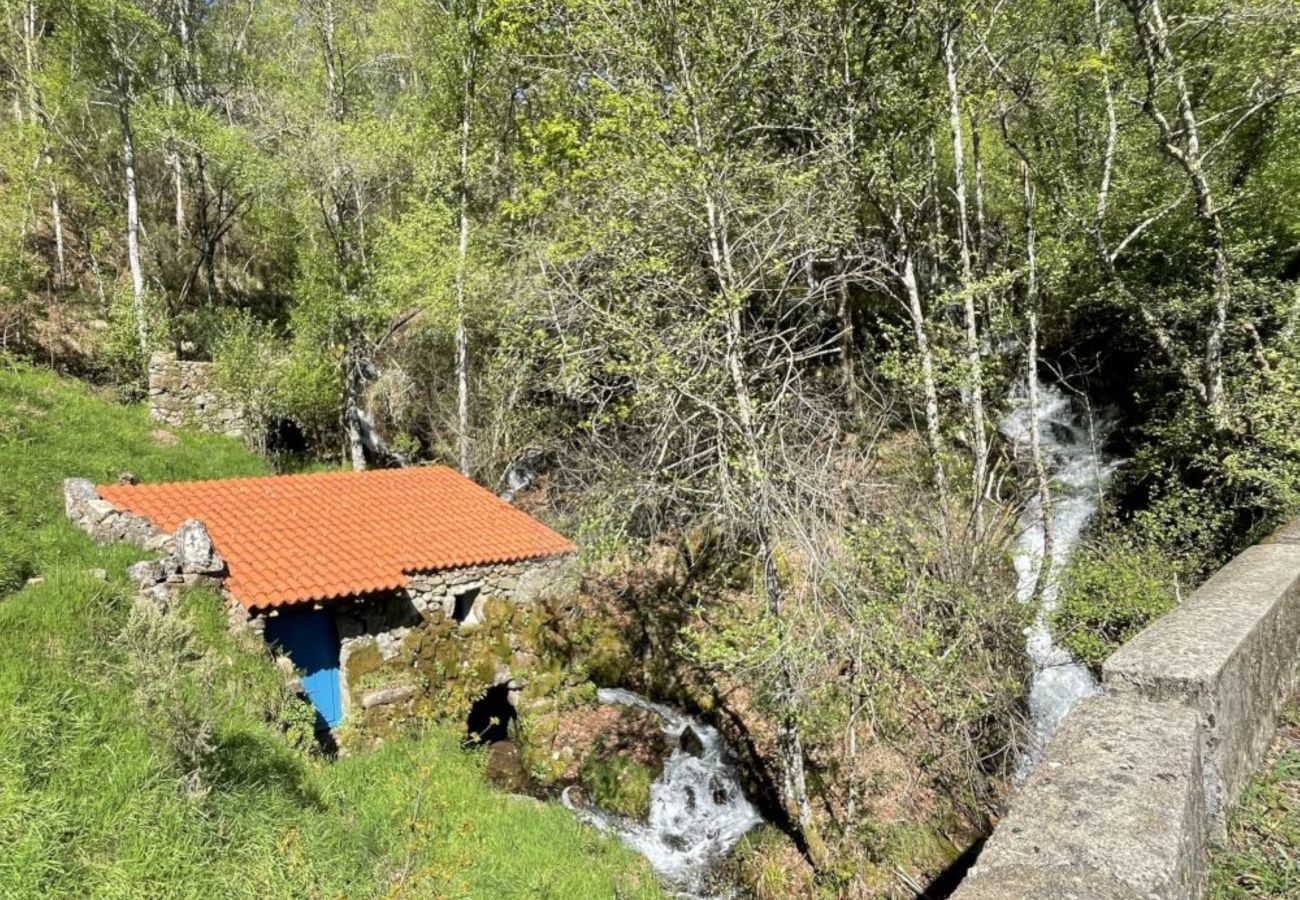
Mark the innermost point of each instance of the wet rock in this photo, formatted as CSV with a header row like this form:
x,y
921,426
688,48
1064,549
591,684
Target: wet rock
x,y
505,768
690,742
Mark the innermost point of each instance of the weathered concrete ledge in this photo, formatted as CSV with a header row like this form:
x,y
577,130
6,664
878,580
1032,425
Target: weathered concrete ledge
x,y
1139,781
1232,653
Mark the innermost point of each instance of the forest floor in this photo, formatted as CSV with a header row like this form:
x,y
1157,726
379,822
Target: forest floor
x,y
92,800
1262,859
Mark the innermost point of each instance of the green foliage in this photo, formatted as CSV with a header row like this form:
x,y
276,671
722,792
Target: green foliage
x,y
1109,591
618,784
99,740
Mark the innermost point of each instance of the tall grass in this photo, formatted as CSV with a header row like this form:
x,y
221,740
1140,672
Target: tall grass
x,y
93,804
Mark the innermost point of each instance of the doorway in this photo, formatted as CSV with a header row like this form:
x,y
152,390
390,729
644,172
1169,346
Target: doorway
x,y
311,641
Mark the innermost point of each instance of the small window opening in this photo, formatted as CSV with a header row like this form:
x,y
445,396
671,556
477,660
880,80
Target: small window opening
x,y
463,606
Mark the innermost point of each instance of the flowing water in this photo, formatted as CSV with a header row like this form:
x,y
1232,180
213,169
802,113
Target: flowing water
x,y
697,808
1072,441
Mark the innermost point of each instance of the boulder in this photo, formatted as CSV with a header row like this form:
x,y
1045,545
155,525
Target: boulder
x,y
77,492
505,768
690,742
195,552
146,573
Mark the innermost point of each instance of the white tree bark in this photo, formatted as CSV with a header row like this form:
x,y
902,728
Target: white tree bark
x,y
462,264
132,207
1044,484
974,363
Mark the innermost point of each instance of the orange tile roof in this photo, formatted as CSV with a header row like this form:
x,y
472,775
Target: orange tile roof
x,y
298,538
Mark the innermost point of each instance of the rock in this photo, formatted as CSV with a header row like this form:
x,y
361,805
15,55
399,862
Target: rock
x,y
505,768
77,492
388,695
158,596
128,478
98,574
160,540
31,582
146,573
195,552
690,742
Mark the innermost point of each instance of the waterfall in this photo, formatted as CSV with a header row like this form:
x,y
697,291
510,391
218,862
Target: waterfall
x,y
1072,441
697,808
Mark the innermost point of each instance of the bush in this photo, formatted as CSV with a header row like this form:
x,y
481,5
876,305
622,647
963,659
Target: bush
x,y
618,784
1109,592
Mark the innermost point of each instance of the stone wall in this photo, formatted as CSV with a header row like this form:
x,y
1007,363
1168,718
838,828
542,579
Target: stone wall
x,y
405,655
1141,780
183,392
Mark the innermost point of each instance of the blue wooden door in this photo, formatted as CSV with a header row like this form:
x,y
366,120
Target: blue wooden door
x,y
309,639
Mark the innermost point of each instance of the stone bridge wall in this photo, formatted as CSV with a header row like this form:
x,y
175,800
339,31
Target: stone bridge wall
x,y
183,392
1140,780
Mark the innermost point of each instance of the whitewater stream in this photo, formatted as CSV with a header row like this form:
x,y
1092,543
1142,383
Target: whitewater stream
x,y
1072,442
697,808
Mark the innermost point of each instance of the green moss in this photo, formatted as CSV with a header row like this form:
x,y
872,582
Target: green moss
x,y
362,661
618,784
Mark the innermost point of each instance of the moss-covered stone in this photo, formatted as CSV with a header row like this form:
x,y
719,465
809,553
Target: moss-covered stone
x,y
363,660
618,784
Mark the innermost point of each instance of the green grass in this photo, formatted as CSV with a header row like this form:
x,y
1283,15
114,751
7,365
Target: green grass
x,y
1262,859
92,803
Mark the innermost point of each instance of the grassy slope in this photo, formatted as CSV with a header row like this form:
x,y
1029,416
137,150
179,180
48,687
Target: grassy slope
x,y
1262,859
91,805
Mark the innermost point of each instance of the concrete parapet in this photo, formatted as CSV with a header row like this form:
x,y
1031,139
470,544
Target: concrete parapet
x,y
1114,809
1139,781
1232,653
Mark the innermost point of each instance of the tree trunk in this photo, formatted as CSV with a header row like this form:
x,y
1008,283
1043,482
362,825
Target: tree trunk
x,y
1031,377
353,387
933,427
462,264
132,208
974,363
1183,146
60,255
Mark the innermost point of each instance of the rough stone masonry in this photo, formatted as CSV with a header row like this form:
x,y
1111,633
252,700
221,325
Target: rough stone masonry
x,y
184,392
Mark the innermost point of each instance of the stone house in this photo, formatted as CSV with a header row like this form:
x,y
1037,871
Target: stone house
x,y
374,584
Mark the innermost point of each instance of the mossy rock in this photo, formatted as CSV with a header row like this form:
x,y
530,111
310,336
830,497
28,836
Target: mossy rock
x,y
364,660
768,865
610,659
618,784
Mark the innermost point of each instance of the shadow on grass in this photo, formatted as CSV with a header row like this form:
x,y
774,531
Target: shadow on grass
x,y
244,760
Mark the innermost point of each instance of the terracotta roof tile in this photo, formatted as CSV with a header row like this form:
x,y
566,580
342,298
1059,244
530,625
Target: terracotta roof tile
x,y
299,538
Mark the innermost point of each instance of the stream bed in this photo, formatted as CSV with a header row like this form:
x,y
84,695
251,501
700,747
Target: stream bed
x,y
1072,441
698,810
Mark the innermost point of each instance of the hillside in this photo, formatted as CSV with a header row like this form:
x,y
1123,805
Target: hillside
x,y
93,799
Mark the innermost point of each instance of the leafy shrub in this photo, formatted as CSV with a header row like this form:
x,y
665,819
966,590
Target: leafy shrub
x,y
618,784
1110,591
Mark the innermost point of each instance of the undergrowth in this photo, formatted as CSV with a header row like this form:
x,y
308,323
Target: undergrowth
x,y
1262,858
122,776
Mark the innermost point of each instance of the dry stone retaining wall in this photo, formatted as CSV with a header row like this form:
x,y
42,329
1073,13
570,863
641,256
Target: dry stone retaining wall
x,y
183,392
1140,780
379,635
